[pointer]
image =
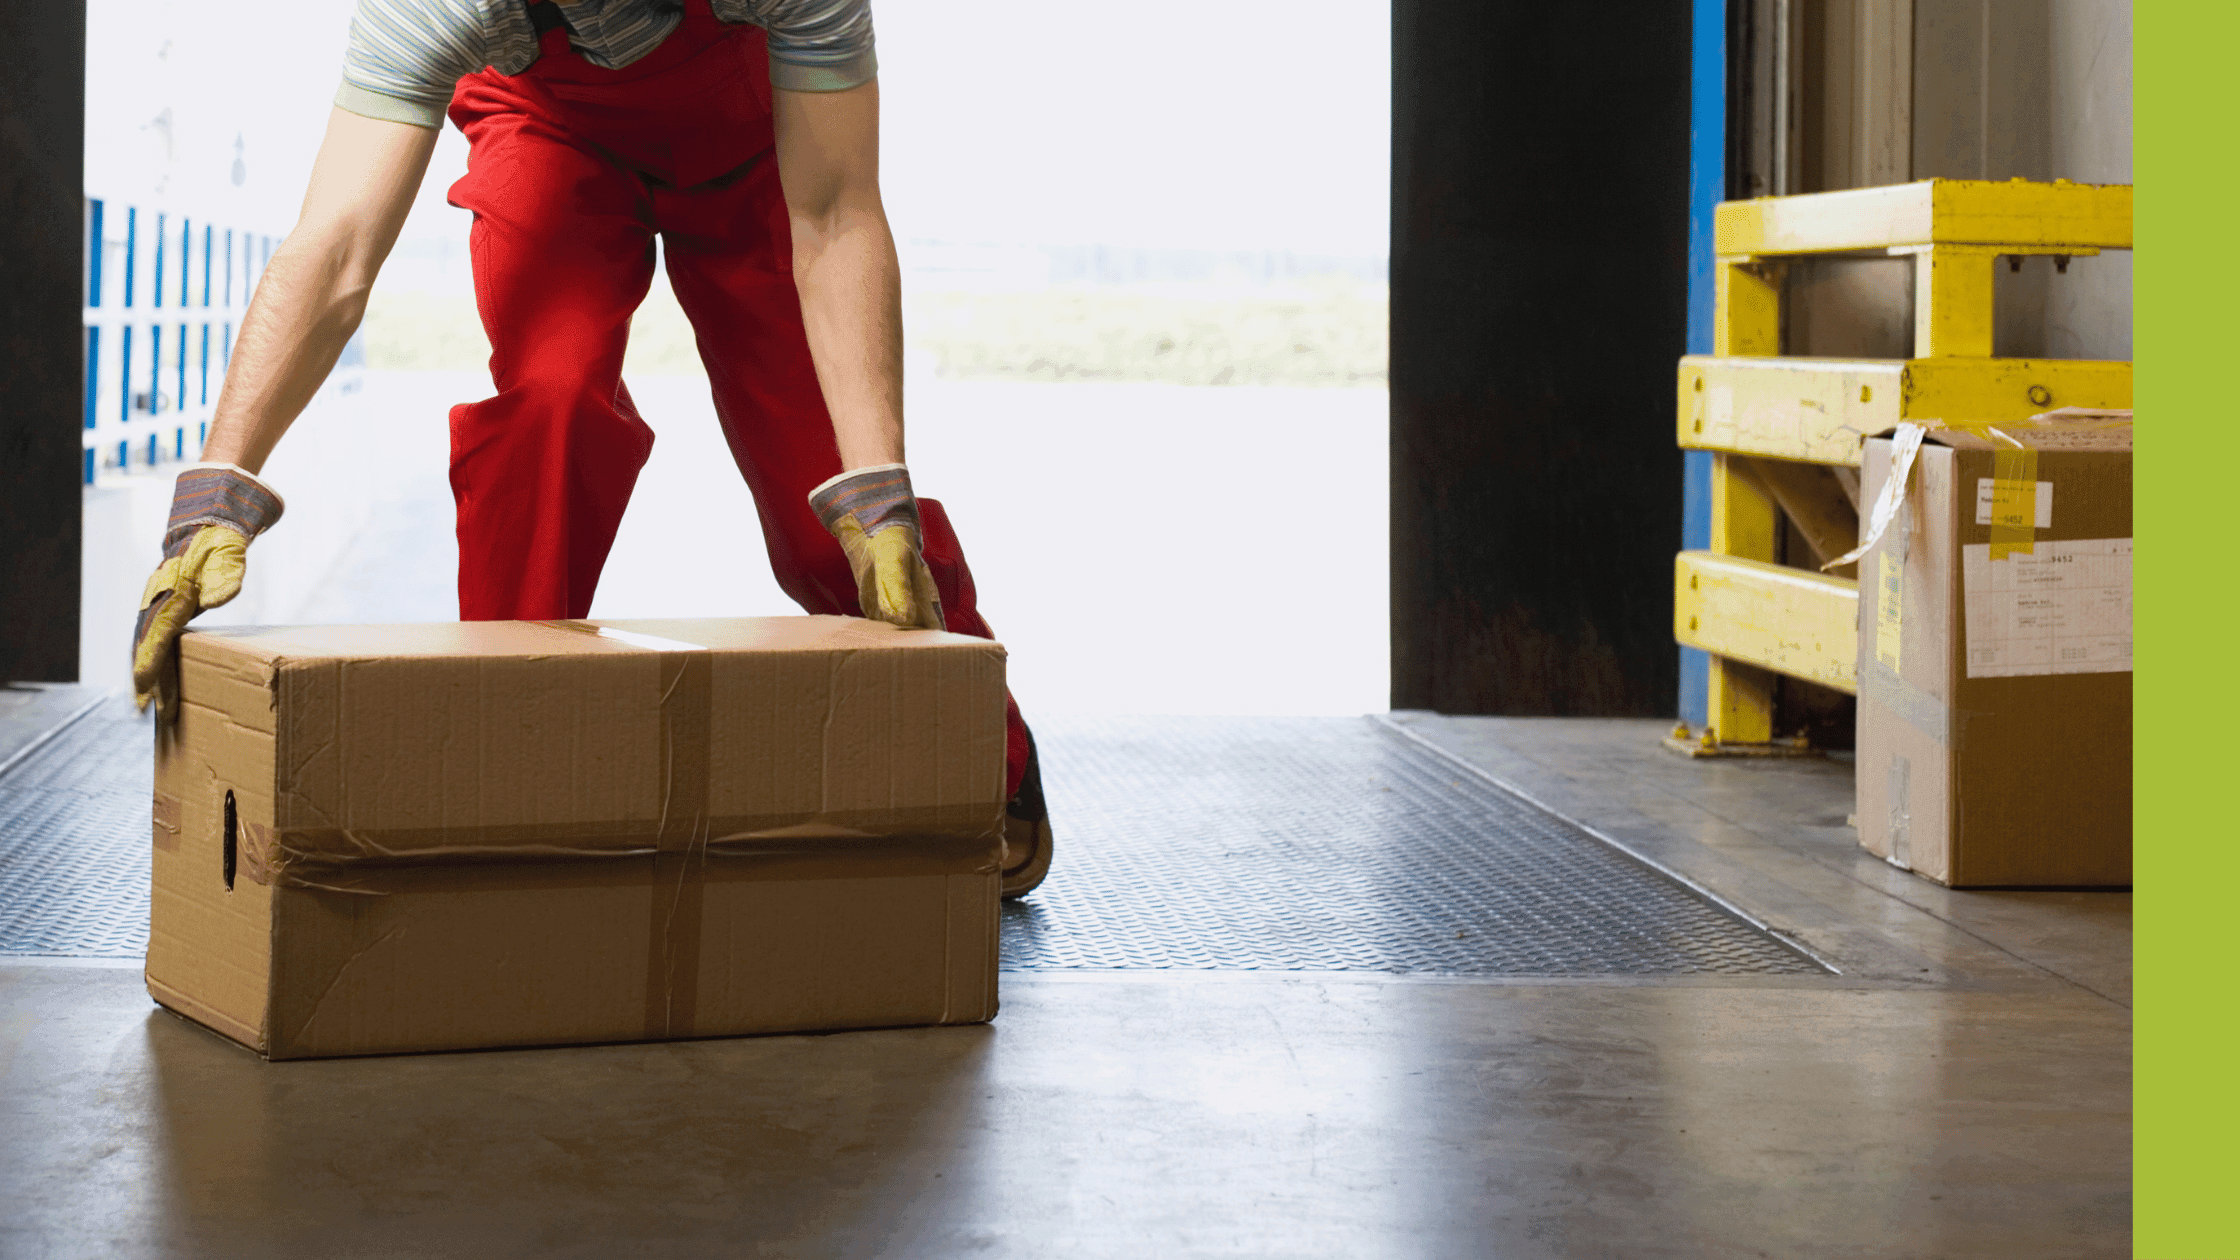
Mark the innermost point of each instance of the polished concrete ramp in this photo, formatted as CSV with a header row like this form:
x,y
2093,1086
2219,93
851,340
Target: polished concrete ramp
x,y
1126,1118
1193,843
1959,1088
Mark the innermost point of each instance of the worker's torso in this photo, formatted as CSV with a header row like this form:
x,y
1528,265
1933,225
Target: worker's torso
x,y
406,56
694,108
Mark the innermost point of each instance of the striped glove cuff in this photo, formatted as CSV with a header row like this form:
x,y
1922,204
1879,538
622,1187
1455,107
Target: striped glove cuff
x,y
878,497
219,494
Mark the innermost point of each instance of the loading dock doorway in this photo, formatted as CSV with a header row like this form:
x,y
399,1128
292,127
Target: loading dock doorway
x,y
1145,310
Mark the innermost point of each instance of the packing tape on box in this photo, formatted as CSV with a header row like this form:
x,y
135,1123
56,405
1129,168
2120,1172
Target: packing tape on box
x,y
955,831
680,846
1897,824
2014,475
532,866
1917,708
741,837
166,815
680,839
1905,444
2014,497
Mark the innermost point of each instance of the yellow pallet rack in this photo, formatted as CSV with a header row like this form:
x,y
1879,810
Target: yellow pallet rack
x,y
1766,417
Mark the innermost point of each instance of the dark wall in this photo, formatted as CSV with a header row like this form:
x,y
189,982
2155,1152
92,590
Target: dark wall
x,y
1539,301
42,218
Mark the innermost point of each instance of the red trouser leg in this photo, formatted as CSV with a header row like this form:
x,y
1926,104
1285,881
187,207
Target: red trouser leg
x,y
563,253
730,261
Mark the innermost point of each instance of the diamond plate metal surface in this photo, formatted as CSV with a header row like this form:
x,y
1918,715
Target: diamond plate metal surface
x,y
1331,844
1191,843
74,839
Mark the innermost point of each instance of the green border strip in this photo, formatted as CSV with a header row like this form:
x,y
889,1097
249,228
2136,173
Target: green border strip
x,y
2187,296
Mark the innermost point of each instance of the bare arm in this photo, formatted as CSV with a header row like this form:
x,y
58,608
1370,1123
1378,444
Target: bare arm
x,y
314,291
844,265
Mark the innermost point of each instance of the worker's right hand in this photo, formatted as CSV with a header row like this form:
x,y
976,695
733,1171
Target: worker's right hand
x,y
215,511
874,515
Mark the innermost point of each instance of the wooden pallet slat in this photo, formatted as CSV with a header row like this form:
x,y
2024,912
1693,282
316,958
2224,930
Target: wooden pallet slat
x,y
2011,213
1769,616
1820,410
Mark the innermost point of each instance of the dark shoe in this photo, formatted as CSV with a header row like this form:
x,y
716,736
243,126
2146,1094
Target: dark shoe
x,y
1026,831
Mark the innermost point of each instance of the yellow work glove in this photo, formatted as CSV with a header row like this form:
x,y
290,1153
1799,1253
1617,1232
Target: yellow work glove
x,y
215,511
875,517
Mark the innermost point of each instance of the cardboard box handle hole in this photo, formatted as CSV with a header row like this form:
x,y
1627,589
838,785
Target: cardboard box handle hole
x,y
232,842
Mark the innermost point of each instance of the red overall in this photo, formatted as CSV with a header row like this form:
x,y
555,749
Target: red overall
x,y
572,170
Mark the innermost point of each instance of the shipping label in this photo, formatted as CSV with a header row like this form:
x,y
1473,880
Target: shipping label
x,y
2060,608
2018,504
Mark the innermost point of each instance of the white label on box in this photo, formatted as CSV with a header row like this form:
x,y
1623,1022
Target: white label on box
x,y
2016,503
2063,608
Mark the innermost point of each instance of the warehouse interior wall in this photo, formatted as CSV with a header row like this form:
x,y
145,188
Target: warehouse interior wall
x,y
1856,93
2007,89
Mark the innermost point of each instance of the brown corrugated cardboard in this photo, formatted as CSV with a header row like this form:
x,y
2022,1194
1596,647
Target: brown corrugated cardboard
x,y
388,838
1994,660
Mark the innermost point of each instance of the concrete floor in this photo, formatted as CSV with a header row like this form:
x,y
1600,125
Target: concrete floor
x,y
1960,1090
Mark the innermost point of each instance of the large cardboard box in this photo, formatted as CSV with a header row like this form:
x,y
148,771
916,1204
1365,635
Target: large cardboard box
x,y
1994,740
392,838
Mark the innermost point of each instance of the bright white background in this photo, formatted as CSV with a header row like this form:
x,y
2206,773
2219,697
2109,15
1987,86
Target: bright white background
x,y
1225,124
1140,548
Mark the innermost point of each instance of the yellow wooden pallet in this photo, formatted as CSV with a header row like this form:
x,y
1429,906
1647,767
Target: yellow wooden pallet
x,y
1751,407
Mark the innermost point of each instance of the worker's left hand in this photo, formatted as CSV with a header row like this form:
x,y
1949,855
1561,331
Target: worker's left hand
x,y
215,511
875,517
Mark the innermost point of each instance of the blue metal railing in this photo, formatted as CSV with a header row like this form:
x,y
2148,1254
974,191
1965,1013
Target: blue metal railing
x,y
145,409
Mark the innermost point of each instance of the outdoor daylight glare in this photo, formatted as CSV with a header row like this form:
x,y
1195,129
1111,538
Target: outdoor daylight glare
x,y
1144,291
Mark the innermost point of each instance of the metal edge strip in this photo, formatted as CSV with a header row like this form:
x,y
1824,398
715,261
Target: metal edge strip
x,y
22,754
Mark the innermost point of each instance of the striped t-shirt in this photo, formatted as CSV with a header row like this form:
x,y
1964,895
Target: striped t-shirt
x,y
406,55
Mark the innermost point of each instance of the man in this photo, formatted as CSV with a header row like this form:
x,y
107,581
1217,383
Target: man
x,y
745,134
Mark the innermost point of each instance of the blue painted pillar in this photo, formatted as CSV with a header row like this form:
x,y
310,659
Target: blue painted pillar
x,y
1707,185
